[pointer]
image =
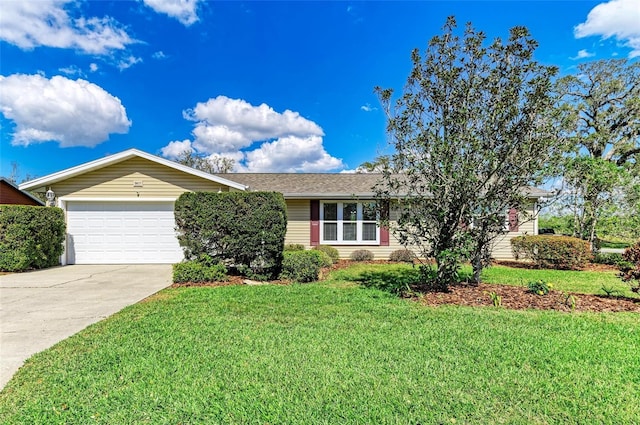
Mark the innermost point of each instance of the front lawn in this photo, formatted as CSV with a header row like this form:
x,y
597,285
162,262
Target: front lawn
x,y
585,282
331,353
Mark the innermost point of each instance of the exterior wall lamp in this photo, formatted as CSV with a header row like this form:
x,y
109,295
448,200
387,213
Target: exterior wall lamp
x,y
50,195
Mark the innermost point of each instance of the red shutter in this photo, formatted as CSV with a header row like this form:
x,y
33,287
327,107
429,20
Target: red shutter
x,y
315,222
513,220
384,231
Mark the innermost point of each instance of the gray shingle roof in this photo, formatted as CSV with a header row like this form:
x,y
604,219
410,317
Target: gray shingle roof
x,y
318,185
323,185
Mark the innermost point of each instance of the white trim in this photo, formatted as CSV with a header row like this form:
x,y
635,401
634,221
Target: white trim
x,y
61,203
129,199
340,221
119,157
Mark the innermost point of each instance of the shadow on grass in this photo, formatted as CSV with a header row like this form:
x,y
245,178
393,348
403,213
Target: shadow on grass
x,y
404,281
397,281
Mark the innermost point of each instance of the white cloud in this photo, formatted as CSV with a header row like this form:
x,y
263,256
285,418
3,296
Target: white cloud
x,y
29,24
93,67
254,122
292,154
219,138
128,62
257,137
583,54
175,148
73,113
159,55
368,108
617,18
184,11
72,70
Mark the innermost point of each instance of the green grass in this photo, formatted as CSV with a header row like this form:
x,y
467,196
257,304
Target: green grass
x,y
331,353
585,282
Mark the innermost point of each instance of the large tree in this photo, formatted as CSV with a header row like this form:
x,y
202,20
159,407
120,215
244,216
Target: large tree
x,y
471,131
600,119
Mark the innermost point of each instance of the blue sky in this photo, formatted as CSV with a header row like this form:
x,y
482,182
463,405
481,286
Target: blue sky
x,y
277,86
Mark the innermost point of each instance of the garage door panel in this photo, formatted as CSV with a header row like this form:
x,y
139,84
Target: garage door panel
x,y
121,233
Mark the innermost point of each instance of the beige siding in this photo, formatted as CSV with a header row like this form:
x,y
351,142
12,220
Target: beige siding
x,y
298,232
502,247
117,181
298,222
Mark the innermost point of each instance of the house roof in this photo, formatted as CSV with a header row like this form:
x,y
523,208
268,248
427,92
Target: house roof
x,y
17,189
123,156
291,185
325,186
312,185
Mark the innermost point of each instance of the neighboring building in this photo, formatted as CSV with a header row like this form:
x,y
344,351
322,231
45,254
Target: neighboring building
x,y
119,209
10,194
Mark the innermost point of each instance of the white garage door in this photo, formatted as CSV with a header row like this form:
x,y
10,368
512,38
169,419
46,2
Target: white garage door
x,y
121,233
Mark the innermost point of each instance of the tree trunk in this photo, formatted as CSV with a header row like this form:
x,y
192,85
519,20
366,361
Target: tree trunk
x,y
477,270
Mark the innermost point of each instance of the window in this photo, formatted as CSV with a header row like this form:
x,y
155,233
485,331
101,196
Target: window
x,y
349,223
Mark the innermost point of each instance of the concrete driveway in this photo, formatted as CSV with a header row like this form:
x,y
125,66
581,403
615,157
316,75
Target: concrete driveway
x,y
40,308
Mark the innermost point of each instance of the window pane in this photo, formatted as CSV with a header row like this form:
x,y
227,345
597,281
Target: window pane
x,y
350,212
330,211
369,231
330,231
369,211
349,231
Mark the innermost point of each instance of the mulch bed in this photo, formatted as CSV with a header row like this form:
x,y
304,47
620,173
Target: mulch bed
x,y
519,298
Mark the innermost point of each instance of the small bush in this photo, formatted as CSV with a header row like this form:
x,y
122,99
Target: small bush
x,y
30,237
325,260
361,255
303,266
294,247
611,259
198,272
554,252
402,256
330,251
630,269
539,287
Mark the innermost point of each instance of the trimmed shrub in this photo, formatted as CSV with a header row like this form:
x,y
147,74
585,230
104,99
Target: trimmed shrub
x,y
325,260
362,255
243,230
402,256
330,251
630,269
553,252
30,237
302,266
197,272
609,258
294,247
